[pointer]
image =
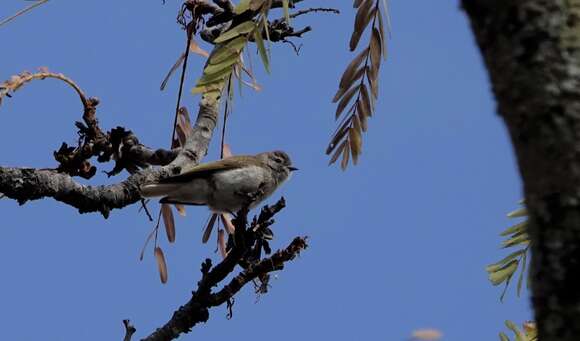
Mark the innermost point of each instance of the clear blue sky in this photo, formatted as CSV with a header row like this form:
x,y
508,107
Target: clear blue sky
x,y
398,243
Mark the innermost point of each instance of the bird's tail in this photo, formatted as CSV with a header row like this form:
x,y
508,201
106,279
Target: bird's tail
x,y
158,190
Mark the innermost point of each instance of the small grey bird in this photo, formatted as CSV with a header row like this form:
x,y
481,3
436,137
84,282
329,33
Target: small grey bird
x,y
227,184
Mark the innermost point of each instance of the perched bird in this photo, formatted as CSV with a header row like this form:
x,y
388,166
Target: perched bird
x,y
227,184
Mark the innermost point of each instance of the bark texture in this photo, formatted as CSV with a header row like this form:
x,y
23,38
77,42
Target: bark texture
x,y
24,184
532,52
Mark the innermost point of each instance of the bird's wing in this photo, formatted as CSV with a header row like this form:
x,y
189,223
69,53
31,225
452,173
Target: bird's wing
x,y
209,168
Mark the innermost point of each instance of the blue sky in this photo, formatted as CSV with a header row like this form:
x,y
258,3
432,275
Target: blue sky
x,y
397,243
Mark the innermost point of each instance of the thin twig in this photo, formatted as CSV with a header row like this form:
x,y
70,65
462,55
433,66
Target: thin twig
x,y
129,330
144,207
310,10
17,81
22,11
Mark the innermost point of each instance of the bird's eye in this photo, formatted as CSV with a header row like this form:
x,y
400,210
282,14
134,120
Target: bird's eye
x,y
278,160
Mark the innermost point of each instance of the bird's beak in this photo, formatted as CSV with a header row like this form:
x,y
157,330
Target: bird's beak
x,y
292,169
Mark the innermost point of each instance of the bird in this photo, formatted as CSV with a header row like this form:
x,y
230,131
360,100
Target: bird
x,y
225,185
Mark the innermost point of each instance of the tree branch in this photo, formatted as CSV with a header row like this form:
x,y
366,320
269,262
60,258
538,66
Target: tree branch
x,y
196,310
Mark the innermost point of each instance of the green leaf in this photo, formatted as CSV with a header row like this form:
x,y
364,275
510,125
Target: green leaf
x,y
522,271
498,265
216,77
262,49
233,47
521,227
243,6
518,238
520,336
227,63
285,5
504,273
522,212
503,337
203,89
243,28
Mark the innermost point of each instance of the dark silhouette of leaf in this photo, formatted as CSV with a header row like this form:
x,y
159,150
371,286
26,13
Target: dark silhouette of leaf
x,y
168,221
345,156
341,91
362,20
161,265
340,133
262,49
345,100
367,101
355,139
337,153
382,33
209,228
373,82
375,52
351,69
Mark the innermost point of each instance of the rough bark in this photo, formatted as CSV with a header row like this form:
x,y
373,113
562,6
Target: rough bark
x,y
24,184
532,52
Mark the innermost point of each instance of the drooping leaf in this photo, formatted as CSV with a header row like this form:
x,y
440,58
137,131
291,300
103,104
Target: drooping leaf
x,y
345,100
161,265
193,47
262,49
374,84
227,221
352,67
362,115
496,266
363,17
367,101
375,52
504,273
337,153
522,272
345,157
168,221
355,142
338,135
341,91
221,240
382,34
209,228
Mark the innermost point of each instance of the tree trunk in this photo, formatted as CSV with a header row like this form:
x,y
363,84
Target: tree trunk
x,y
532,52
